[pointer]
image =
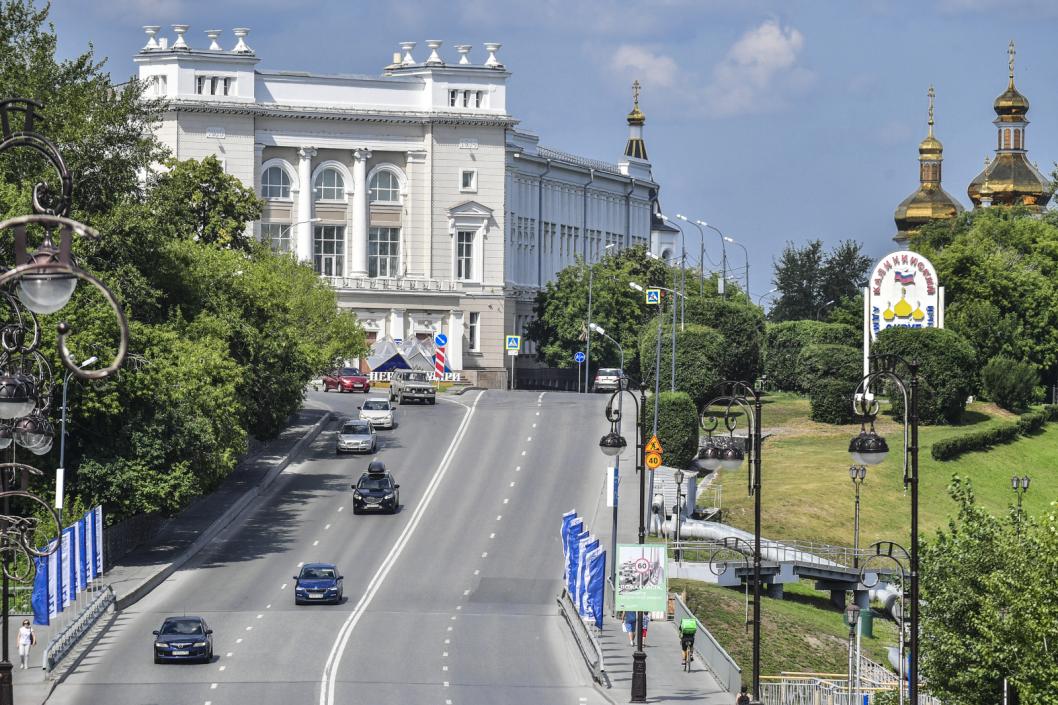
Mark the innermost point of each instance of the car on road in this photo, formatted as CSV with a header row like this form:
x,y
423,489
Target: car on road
x,y
346,379
376,490
183,639
407,385
607,379
356,437
318,582
379,411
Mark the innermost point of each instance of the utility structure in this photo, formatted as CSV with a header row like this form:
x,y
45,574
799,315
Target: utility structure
x,y
870,448
612,445
737,398
42,281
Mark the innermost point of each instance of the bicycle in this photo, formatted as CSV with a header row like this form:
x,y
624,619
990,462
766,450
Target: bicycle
x,y
688,627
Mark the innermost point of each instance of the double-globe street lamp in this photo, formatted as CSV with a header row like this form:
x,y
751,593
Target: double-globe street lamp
x,y
735,398
612,445
1020,485
869,448
42,281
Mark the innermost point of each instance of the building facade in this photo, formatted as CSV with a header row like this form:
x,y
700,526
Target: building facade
x,y
411,192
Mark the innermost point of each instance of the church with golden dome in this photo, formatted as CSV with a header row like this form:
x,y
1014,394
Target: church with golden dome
x,y
1008,179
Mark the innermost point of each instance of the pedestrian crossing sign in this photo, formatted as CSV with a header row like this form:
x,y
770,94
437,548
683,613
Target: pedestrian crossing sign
x,y
514,342
653,296
653,445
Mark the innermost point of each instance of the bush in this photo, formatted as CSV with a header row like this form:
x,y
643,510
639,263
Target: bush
x,y
1010,383
1007,433
783,343
677,428
830,401
700,358
946,370
822,361
741,324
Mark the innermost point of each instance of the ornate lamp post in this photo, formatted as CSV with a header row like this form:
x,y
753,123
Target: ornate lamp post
x,y
1020,486
857,473
869,448
42,281
611,445
740,396
852,616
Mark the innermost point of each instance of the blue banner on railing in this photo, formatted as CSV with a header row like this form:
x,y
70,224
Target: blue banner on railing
x,y
39,598
74,560
594,595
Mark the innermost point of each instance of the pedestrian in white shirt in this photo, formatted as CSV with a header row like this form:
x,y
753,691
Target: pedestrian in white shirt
x,y
26,639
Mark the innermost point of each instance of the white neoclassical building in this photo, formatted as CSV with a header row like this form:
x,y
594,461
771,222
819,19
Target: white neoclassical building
x,y
411,192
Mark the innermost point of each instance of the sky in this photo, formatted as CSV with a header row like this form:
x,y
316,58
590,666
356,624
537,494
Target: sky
x,y
776,121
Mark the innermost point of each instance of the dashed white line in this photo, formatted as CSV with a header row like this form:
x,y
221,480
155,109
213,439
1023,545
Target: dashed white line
x,y
446,684
227,655
523,452
450,629
341,508
239,640
212,686
448,641
444,654
476,571
512,484
534,425
466,592
283,586
249,629
485,554
538,413
316,542
259,616
444,668
268,607
505,500
492,535
301,563
458,607
517,468
498,517
222,668
529,438
453,618
326,527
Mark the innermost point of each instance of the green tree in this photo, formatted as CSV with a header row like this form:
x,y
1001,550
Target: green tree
x,y
947,364
677,428
784,341
701,354
1009,383
742,325
808,278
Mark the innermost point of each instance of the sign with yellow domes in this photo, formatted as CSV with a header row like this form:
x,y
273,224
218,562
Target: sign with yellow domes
x,y
903,293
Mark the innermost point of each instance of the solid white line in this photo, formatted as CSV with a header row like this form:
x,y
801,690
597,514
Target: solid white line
x,y
330,669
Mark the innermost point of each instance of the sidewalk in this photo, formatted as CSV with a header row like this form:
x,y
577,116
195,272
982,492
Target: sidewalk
x,y
666,680
179,538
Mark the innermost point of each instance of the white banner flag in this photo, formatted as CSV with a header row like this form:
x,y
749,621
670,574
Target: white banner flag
x,y
54,580
99,541
66,565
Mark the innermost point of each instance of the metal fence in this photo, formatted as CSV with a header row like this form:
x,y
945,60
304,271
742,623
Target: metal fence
x,y
714,656
802,689
585,637
549,378
123,537
66,639
822,554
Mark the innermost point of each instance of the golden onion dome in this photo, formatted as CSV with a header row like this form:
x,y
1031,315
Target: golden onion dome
x,y
930,148
928,203
1010,103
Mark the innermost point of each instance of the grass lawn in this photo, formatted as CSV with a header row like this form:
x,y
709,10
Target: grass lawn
x,y
800,633
807,494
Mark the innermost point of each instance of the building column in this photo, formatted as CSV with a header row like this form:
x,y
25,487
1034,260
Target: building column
x,y
358,253
304,228
396,323
258,159
454,351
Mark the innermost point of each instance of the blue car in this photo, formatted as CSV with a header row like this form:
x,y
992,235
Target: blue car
x,y
183,639
318,582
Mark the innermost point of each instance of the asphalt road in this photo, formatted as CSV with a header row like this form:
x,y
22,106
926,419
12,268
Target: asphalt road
x,y
451,600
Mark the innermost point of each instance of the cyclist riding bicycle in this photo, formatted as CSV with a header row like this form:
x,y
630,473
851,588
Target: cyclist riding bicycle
x,y
688,627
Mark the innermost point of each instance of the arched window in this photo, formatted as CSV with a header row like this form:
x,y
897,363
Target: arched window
x,y
384,187
329,186
275,183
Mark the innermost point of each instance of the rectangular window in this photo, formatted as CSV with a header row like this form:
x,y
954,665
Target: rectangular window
x,y
453,98
468,180
200,85
465,255
277,235
474,332
227,86
478,96
328,251
383,252
466,99
214,84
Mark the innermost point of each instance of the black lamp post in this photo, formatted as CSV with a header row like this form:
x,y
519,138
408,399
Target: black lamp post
x,y
857,473
611,445
1020,486
869,448
677,475
734,397
42,281
852,616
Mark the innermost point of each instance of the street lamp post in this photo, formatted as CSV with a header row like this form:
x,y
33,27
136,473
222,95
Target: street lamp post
x,y
900,557
701,252
677,475
857,473
683,266
733,241
819,311
869,448
747,399
61,470
852,614
723,255
1020,486
587,334
617,458
611,445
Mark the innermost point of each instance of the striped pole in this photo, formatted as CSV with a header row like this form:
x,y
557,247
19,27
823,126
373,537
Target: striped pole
x,y
439,362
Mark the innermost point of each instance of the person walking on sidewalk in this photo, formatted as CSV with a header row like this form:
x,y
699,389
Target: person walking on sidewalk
x,y
743,697
26,639
629,627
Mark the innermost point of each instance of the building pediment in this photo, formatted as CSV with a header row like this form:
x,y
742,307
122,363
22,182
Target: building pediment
x,y
470,209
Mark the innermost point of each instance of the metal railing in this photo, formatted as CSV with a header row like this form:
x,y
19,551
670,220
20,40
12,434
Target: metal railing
x,y
806,552
64,641
821,689
715,657
586,640
396,284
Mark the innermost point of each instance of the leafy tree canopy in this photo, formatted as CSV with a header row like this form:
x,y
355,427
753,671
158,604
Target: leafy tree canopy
x,y
809,278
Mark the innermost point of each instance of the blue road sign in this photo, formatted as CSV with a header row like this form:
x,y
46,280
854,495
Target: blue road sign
x,y
514,342
578,357
440,340
653,296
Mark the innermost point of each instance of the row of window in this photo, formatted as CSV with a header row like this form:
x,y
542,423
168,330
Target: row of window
x,y
383,249
466,99
214,85
384,186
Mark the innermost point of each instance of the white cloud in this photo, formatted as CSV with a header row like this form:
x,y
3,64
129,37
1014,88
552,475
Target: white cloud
x,y
759,72
634,61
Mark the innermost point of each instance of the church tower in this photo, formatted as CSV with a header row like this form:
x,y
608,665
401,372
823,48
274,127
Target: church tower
x,y
930,202
636,148
1010,179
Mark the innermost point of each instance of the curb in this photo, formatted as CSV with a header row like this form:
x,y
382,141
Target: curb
x,y
220,523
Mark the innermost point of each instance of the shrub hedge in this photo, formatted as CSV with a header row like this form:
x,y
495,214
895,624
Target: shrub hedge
x,y
830,401
700,357
946,370
1026,424
741,324
823,361
783,343
677,427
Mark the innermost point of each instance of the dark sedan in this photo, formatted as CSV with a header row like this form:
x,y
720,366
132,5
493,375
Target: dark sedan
x,y
347,379
183,639
376,490
318,582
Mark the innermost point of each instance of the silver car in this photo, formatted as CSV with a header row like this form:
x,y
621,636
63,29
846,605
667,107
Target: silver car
x,y
356,437
379,411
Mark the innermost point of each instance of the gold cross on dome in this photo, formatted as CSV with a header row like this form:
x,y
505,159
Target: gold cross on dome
x,y
931,93
1012,52
635,92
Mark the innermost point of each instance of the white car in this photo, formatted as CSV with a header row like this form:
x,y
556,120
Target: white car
x,y
379,411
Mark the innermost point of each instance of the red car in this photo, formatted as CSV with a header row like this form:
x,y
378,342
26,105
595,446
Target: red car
x,y
347,379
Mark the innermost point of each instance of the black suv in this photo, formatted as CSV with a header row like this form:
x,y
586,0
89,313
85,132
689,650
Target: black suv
x,y
376,489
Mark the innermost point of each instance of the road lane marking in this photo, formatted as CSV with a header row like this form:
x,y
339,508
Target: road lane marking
x,y
326,527
268,607
530,438
523,452
534,425
316,542
283,586
259,616
446,684
476,571
444,668
227,655
249,629
512,483
498,517
538,413
330,670
448,641
301,563
492,535
506,499
450,629
517,468
222,668
485,554
444,654
458,607
541,397
239,640
212,686
341,508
